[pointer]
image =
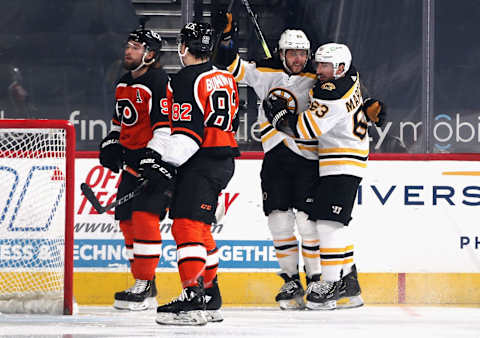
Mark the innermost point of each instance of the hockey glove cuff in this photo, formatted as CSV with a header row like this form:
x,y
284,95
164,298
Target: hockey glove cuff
x,y
223,22
111,152
276,110
158,172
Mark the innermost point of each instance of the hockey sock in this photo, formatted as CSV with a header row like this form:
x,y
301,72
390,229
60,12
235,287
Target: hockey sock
x,y
348,261
281,224
310,244
332,248
211,265
147,244
191,251
127,231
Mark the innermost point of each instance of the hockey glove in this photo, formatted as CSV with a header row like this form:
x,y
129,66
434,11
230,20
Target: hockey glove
x,y
276,110
223,22
111,152
160,174
375,111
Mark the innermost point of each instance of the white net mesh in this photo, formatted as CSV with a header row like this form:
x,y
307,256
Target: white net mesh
x,y
32,220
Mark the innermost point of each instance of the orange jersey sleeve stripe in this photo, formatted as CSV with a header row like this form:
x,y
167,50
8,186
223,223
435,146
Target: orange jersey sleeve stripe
x,y
161,124
215,137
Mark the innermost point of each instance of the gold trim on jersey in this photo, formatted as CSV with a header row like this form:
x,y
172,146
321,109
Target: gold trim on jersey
x,y
308,127
237,69
314,124
266,133
343,150
280,70
269,135
307,147
354,87
269,70
303,128
302,146
234,64
324,163
242,73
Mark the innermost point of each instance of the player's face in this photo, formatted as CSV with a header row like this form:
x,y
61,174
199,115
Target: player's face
x,y
324,71
296,59
133,55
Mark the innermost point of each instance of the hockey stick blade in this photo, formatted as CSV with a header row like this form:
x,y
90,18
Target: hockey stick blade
x,y
90,196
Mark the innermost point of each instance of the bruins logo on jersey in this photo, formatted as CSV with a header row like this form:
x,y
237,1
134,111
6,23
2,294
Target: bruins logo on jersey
x,y
287,95
328,86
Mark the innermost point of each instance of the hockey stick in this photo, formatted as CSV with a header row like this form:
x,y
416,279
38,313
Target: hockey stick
x,y
257,28
90,195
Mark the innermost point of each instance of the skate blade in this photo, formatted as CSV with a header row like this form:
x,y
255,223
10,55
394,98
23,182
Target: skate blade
x,y
183,318
147,304
327,306
214,316
350,302
292,304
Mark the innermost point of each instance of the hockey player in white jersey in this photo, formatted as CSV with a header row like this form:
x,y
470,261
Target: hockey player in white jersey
x,y
337,119
290,165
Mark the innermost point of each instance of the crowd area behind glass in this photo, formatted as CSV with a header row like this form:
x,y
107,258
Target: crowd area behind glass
x,y
59,59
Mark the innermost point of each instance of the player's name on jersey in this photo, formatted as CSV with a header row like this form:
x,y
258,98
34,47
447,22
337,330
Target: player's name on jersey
x,y
218,81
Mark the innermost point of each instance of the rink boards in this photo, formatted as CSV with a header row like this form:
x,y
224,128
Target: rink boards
x,y
417,237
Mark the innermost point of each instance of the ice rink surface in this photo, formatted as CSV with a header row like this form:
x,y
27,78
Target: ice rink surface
x,y
368,321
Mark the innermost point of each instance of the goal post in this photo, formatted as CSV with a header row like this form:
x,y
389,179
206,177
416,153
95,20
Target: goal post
x,y
37,159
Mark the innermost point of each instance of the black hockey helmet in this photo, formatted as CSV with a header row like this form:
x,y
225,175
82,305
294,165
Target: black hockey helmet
x,y
148,38
198,37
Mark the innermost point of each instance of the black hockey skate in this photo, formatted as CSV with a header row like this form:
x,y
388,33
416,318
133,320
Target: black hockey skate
x,y
213,300
349,293
322,295
313,278
188,309
140,297
290,296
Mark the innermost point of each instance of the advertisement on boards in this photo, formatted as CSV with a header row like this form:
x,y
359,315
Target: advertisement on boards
x,y
409,216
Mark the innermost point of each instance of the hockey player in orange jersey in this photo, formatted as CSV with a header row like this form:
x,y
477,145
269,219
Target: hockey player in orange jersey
x,y
137,115
201,104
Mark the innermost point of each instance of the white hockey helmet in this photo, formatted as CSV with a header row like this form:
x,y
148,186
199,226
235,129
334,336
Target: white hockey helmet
x,y
293,39
336,54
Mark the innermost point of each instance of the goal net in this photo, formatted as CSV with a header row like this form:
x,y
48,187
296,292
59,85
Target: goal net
x,y
36,216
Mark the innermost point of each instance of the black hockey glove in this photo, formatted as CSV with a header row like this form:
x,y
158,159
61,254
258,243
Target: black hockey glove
x,y
111,152
375,111
160,174
276,110
223,22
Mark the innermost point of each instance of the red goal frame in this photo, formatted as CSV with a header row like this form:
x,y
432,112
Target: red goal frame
x,y
69,193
